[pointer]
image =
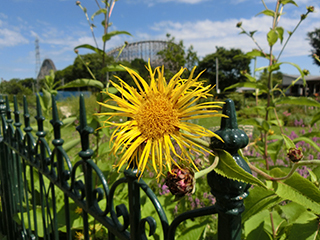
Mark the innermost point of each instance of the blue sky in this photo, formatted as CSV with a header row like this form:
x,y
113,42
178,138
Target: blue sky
x,y
60,26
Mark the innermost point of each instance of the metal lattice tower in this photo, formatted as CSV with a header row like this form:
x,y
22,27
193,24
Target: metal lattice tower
x,y
38,62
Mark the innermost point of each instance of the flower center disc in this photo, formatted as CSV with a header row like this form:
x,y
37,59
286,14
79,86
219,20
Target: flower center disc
x,y
156,117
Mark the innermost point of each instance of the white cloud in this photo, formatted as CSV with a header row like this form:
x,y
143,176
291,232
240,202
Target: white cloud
x,y
10,38
205,35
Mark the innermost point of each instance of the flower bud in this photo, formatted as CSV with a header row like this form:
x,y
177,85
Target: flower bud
x,y
306,72
303,16
310,9
295,154
239,24
78,3
180,181
76,51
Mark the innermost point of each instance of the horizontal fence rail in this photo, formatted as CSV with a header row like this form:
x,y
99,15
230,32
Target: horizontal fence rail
x,y
42,191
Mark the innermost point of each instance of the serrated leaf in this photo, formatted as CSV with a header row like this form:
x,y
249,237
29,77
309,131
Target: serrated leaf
x,y
227,167
297,189
272,37
258,200
83,83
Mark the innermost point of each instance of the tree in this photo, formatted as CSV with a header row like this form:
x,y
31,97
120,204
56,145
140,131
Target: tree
x,y
176,57
314,40
231,63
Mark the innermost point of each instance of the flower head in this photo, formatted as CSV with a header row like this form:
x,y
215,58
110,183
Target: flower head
x,y
180,181
158,116
295,154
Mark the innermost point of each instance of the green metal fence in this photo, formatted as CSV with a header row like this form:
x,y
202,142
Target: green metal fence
x,y
35,178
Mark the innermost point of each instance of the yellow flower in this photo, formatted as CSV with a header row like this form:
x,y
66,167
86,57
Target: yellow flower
x,y
158,117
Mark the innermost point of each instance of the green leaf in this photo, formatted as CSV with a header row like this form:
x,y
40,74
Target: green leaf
x,y
258,200
288,142
299,69
255,53
71,144
272,37
227,167
112,90
297,189
280,31
284,2
114,68
109,35
274,149
68,121
252,33
315,118
303,101
249,77
307,140
265,126
83,83
305,231
101,10
267,12
88,46
259,233
243,84
193,231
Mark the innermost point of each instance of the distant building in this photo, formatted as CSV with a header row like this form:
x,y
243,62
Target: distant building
x,y
312,85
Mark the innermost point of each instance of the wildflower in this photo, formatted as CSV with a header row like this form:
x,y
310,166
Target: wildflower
x,y
295,154
78,210
157,117
180,181
78,3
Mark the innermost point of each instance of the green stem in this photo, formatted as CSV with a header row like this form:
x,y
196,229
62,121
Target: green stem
x,y
293,169
89,70
207,170
285,44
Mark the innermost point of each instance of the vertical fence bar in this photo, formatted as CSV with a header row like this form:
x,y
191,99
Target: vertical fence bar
x,y
29,146
7,201
43,167
229,193
85,154
20,180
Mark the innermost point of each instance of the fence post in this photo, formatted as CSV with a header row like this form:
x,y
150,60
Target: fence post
x,y
229,193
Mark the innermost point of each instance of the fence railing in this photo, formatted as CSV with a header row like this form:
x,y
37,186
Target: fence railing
x,y
41,189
